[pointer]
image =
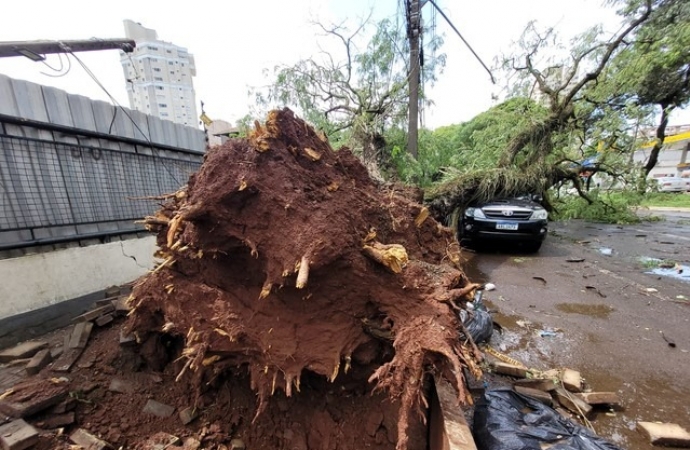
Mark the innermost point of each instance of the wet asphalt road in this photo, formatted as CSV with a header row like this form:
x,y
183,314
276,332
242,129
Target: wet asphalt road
x,y
610,318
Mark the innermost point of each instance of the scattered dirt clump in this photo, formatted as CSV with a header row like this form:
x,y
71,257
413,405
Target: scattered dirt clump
x,y
284,262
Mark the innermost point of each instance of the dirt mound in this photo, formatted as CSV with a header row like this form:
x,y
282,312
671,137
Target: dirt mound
x,y
284,260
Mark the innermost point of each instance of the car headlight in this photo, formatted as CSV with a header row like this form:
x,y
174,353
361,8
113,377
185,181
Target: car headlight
x,y
477,213
540,214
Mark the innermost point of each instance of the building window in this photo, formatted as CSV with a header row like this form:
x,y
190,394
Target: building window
x,y
160,88
168,51
158,78
170,62
152,48
162,105
156,69
164,114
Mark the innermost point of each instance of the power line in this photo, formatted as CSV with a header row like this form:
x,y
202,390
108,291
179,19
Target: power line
x,y
124,110
463,40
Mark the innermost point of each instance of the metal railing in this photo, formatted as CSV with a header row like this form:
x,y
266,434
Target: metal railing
x,y
70,190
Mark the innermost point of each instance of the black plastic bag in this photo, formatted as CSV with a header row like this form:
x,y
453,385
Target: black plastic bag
x,y
478,324
506,420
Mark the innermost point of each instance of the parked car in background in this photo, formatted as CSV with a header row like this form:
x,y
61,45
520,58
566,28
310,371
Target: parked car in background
x,y
672,184
521,219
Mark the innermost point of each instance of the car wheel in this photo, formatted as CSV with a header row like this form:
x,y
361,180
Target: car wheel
x,y
533,247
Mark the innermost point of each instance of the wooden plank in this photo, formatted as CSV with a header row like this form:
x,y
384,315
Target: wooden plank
x,y
600,398
95,313
30,398
39,361
80,335
18,435
573,403
24,350
448,428
509,369
104,320
533,383
536,394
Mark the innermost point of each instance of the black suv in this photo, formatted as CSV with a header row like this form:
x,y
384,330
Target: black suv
x,y
516,219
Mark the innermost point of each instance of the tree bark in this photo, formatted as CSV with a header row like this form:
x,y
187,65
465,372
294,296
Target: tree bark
x,y
660,137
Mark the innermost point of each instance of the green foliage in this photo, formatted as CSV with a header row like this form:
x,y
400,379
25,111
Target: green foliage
x,y
667,199
355,95
608,207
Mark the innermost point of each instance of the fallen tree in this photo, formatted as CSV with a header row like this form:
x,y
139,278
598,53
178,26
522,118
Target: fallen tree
x,y
282,257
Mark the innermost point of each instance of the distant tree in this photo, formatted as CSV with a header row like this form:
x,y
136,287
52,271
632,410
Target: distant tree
x,y
356,95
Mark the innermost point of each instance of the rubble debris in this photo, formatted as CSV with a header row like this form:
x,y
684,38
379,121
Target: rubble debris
x,y
188,415
22,351
121,386
17,435
191,444
539,395
237,444
600,398
121,307
39,361
160,441
670,342
104,320
57,421
572,380
31,397
233,289
158,409
80,335
127,339
87,440
112,291
667,434
64,406
573,403
575,260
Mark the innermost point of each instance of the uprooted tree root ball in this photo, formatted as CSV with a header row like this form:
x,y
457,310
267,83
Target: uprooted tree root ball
x,y
282,256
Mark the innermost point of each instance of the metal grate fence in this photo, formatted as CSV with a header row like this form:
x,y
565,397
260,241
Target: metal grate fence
x,y
46,185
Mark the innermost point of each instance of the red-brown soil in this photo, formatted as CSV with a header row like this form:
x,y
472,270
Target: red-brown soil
x,y
299,305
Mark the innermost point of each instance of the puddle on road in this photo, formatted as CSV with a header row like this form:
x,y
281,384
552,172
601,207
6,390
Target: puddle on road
x,y
643,398
677,271
599,311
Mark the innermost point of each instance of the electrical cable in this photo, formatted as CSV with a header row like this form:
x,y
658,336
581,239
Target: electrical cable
x,y
116,103
60,72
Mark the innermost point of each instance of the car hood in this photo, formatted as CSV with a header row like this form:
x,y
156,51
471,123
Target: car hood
x,y
498,203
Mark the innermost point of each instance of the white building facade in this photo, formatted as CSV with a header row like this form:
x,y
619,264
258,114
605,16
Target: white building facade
x,y
674,157
159,77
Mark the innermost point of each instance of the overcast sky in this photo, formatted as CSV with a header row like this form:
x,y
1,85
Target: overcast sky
x,y
234,41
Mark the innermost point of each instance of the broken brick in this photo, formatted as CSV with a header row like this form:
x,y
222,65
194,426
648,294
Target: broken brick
x,y
18,435
39,361
121,306
160,441
23,350
126,339
87,440
158,409
669,434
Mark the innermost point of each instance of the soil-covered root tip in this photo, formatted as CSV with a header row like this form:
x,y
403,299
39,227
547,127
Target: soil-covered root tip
x,y
392,256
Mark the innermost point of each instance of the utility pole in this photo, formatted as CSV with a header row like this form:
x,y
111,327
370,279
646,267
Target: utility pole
x,y
413,34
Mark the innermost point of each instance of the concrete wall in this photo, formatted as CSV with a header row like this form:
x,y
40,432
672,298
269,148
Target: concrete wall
x,y
36,281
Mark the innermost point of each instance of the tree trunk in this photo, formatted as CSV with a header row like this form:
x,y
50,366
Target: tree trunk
x,y
660,136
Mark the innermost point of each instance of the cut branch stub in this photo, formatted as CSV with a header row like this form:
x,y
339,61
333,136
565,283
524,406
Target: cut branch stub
x,y
423,214
393,256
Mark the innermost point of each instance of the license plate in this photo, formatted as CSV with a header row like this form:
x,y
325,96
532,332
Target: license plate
x,y
507,226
